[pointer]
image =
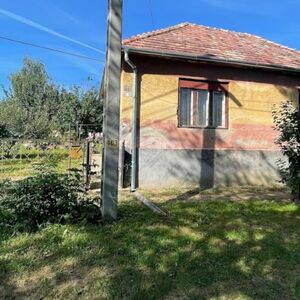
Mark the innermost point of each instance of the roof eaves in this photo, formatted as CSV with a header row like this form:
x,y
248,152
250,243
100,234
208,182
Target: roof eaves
x,y
178,55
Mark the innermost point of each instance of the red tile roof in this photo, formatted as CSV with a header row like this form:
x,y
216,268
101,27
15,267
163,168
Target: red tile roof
x,y
218,44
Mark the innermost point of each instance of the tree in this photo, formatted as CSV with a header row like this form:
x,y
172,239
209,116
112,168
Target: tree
x,y
4,133
68,109
287,122
13,117
29,85
91,110
35,107
30,101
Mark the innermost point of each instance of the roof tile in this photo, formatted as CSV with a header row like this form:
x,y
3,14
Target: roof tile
x,y
203,41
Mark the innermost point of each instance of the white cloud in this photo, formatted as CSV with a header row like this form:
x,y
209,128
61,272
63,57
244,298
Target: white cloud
x,y
40,27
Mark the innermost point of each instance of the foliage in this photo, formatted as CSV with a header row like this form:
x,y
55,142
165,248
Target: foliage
x,y
7,148
45,198
35,107
287,122
13,117
4,133
90,107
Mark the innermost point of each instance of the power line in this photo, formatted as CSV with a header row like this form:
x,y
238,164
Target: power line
x,y
48,30
151,13
50,49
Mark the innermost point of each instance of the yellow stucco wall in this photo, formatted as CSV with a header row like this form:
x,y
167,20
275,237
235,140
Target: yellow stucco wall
x,y
249,103
171,154
159,97
249,115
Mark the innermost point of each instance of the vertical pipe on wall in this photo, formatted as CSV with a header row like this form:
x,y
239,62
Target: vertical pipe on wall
x,y
133,184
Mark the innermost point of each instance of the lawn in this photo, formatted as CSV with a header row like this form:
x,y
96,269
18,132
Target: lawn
x,y
225,244
22,167
20,162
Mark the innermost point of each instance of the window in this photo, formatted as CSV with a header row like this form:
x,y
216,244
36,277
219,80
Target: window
x,y
202,104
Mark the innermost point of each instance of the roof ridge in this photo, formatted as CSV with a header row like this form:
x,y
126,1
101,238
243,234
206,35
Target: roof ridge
x,y
216,42
247,34
155,32
182,24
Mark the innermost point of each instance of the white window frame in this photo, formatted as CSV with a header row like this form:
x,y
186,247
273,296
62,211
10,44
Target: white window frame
x,y
210,117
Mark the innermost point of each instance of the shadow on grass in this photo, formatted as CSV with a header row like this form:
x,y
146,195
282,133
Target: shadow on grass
x,y
276,193
204,249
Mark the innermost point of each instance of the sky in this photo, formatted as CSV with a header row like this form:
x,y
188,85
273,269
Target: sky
x,y
80,27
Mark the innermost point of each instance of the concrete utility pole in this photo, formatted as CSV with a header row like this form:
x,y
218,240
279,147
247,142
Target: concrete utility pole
x,y
111,121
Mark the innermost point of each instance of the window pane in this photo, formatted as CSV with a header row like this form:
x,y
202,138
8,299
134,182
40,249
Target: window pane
x,y
218,109
185,106
202,108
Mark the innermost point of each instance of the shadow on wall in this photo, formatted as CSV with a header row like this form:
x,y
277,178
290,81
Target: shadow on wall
x,y
207,170
208,167
127,157
233,167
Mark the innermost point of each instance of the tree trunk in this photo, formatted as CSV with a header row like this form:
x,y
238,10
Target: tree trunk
x,y
296,197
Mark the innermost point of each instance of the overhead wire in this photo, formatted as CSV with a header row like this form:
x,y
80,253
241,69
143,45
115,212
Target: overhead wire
x,y
151,14
51,49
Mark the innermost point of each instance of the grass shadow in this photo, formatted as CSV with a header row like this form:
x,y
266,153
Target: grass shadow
x,y
231,249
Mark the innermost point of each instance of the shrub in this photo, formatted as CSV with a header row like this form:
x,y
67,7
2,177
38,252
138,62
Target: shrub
x,y
287,122
44,198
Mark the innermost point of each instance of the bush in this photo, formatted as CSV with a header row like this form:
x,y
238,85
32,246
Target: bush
x,y
287,122
44,198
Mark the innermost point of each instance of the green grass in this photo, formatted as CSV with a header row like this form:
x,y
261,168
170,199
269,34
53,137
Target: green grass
x,y
227,244
23,166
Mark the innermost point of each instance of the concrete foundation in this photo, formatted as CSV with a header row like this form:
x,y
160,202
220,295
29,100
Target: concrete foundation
x,y
207,168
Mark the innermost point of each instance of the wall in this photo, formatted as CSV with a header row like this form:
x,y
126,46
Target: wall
x,y
244,153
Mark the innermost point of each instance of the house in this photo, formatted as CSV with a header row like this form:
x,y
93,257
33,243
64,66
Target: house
x,y
196,106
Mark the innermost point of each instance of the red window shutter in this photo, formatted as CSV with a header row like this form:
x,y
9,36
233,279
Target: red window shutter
x,y
204,85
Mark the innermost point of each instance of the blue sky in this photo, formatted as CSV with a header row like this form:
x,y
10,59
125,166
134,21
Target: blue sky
x,y
80,26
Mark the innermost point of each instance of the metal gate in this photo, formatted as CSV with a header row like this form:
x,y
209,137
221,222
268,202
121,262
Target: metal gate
x,y
21,158
92,163
79,153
